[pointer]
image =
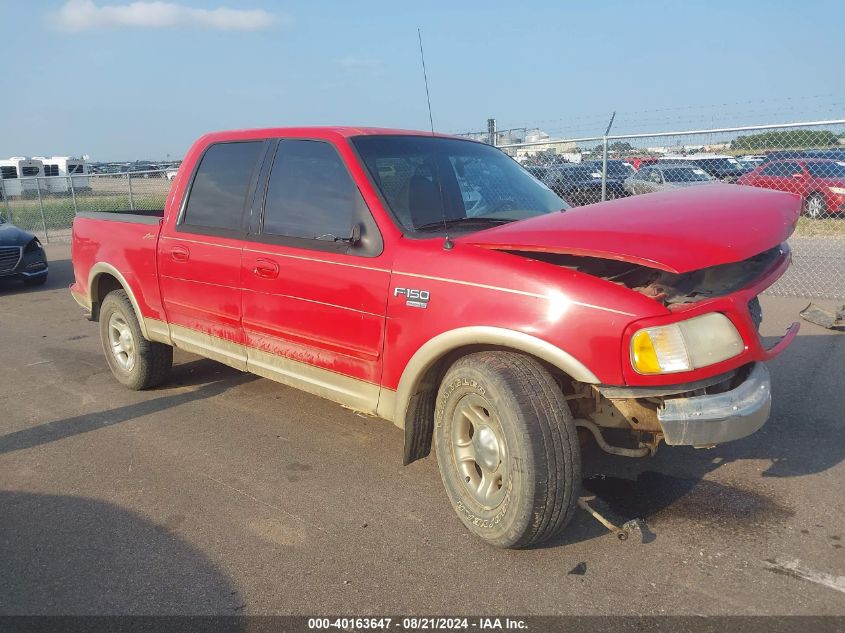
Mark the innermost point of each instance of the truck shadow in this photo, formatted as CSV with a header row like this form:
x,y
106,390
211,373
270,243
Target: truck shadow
x,y
212,378
67,555
803,437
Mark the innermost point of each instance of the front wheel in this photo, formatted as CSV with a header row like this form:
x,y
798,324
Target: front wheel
x,y
507,448
136,362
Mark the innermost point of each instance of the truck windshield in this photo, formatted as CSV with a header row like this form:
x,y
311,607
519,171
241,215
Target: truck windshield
x,y
430,181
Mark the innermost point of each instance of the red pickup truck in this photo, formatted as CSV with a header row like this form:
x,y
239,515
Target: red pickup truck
x,y
433,282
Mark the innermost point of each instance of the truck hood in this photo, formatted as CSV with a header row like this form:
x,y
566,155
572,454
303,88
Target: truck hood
x,y
676,231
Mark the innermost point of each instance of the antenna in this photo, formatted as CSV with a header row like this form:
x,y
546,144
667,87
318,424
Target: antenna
x,y
425,78
610,125
448,244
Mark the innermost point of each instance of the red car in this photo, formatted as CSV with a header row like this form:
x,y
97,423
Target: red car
x,y
433,282
638,162
820,183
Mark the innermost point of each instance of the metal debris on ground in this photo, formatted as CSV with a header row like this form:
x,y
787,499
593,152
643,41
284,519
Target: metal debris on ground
x,y
825,318
622,533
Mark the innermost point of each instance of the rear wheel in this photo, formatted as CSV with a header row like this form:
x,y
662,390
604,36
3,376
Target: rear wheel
x,y
136,362
507,448
815,206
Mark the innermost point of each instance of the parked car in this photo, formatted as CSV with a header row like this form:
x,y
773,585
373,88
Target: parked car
x,y
724,168
616,169
664,176
825,154
638,162
354,264
750,163
819,182
21,255
578,183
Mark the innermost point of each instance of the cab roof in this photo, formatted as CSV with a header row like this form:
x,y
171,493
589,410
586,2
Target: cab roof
x,y
318,132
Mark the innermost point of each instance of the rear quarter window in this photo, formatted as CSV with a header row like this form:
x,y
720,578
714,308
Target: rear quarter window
x,y
217,195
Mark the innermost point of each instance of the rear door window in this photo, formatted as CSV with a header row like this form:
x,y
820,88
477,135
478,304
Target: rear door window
x,y
218,192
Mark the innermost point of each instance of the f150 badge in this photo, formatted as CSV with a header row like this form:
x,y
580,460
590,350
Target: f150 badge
x,y
413,298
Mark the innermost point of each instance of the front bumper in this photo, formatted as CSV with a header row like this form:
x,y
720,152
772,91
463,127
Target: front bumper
x,y
29,266
722,417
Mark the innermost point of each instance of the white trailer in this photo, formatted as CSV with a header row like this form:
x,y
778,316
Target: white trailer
x,y
59,168
19,175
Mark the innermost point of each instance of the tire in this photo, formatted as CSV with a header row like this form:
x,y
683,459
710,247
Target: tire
x,y
136,362
36,281
512,474
815,206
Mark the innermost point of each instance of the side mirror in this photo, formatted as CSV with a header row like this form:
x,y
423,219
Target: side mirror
x,y
353,240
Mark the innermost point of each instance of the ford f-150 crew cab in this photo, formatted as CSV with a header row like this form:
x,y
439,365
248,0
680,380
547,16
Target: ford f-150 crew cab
x,y
433,282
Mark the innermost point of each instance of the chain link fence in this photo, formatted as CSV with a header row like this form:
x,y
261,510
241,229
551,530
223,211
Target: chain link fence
x,y
807,159
46,205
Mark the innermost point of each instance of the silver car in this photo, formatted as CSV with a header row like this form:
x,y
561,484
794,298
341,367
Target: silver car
x,y
662,177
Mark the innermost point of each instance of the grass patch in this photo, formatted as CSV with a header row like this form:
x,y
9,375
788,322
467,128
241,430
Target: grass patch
x,y
59,212
807,227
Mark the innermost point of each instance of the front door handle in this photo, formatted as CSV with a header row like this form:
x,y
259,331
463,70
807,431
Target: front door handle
x,y
179,254
266,269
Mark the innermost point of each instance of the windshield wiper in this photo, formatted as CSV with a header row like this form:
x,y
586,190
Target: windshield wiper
x,y
459,221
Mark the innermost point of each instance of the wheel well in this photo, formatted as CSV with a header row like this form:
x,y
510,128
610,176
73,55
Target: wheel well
x,y
419,419
104,283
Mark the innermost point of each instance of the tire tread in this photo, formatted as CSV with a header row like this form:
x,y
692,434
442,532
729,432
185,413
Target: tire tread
x,y
154,360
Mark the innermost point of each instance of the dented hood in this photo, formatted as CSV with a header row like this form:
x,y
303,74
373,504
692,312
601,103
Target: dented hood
x,y
676,231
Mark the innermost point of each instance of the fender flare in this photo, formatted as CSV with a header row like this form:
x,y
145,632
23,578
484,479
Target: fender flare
x,y
102,268
436,348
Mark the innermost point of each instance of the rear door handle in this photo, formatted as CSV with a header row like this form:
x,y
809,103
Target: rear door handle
x,y
179,254
266,269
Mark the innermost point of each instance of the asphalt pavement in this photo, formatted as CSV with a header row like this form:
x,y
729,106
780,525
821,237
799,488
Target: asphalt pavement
x,y
224,493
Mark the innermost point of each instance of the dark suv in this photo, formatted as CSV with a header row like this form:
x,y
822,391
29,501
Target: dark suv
x,y
21,255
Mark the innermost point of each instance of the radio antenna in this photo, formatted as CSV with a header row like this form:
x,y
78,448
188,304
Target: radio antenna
x,y
447,244
425,78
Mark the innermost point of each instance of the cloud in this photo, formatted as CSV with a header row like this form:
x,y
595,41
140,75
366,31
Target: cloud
x,y
357,63
86,15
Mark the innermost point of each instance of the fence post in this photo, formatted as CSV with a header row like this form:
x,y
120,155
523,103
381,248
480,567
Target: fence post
x,y
604,168
41,206
131,200
73,195
6,200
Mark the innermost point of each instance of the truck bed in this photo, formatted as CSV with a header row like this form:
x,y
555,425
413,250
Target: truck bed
x,y
121,244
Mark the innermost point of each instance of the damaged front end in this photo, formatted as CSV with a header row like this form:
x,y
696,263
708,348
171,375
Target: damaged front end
x,y
733,398
671,289
700,414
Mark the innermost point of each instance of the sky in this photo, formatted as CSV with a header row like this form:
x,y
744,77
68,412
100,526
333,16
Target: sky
x,y
120,80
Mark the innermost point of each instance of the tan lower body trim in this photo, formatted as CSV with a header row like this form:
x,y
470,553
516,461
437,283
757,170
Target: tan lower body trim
x,y
351,392
158,331
387,406
81,299
221,350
